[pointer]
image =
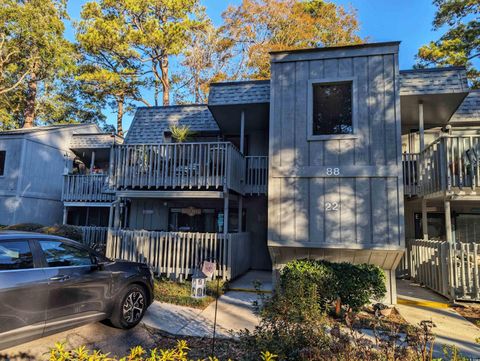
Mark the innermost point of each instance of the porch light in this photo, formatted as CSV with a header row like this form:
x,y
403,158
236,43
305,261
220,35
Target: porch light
x,y
199,284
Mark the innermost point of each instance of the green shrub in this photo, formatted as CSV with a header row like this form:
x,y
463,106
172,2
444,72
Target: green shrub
x,y
25,227
291,323
178,353
358,284
63,230
352,285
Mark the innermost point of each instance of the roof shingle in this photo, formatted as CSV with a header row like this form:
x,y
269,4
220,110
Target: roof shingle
x,y
469,111
239,92
150,124
433,81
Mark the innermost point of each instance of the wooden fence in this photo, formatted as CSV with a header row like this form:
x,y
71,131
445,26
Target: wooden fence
x,y
94,235
178,165
86,188
453,270
177,254
256,177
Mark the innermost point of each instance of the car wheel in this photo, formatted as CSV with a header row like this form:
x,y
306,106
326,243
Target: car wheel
x,y
131,307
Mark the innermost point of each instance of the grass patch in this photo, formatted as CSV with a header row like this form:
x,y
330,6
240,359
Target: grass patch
x,y
179,293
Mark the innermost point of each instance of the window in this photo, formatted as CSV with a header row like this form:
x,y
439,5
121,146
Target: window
x,y
332,108
15,255
59,254
2,162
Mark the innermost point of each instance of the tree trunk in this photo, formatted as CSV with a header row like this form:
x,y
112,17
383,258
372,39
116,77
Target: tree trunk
x,y
165,81
120,102
29,113
156,81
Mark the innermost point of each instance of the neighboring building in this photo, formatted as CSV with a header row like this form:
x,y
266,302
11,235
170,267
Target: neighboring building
x,y
332,159
32,164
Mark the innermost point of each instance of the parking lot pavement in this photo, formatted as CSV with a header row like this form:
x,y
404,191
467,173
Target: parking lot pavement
x,y
94,336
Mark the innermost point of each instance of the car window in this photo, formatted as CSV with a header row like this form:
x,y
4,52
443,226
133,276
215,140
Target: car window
x,y
60,254
15,255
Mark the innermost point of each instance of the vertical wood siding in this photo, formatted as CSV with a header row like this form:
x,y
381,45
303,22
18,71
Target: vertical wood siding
x,y
369,190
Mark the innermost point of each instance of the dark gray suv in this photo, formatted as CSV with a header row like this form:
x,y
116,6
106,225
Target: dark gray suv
x,y
49,284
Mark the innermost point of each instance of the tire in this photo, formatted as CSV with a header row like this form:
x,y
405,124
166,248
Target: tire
x,y
130,308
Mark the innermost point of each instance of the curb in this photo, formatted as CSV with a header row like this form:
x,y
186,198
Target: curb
x,y
428,304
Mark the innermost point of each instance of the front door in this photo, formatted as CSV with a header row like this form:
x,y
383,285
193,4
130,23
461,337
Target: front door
x,y
23,293
78,289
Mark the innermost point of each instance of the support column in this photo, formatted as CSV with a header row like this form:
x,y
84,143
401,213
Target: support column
x,y
424,219
111,215
240,213
92,162
65,215
421,126
225,212
116,217
448,222
242,132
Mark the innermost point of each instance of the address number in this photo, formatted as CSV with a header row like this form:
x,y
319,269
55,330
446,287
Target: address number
x,y
333,171
331,206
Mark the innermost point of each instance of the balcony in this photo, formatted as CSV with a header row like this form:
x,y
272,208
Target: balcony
x,y
448,166
206,166
256,177
86,188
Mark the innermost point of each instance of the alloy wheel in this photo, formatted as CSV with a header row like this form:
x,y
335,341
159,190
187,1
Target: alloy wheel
x,y
133,307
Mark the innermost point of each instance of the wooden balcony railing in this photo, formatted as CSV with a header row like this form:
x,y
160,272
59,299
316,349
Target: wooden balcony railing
x,y
178,165
410,173
86,188
256,177
449,164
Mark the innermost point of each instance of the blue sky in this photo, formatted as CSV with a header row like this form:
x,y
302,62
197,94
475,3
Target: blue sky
x,y
409,21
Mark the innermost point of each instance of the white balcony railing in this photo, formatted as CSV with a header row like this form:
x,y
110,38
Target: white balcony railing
x,y
86,188
178,165
449,164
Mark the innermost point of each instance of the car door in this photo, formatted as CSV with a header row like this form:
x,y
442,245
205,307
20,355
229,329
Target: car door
x,y
78,288
23,292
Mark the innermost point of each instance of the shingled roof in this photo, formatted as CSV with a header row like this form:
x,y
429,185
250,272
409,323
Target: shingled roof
x,y
150,124
469,111
42,128
239,92
433,81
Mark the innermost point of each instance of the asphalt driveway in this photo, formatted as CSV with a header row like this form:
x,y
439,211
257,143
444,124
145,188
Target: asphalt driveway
x,y
94,336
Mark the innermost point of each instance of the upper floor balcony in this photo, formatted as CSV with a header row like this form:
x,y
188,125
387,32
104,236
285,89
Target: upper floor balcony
x,y
202,166
447,166
87,188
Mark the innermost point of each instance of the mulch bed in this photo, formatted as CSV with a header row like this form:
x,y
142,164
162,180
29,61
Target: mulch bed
x,y
200,347
367,319
470,311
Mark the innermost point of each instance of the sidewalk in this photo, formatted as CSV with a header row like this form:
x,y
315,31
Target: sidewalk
x,y
234,313
416,303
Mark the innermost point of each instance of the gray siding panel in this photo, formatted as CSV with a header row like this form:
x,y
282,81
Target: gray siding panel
x,y
368,206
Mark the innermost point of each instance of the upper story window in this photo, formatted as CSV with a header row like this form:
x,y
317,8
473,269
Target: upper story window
x,y
2,162
332,108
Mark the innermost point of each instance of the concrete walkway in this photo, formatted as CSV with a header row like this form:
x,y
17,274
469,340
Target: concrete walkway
x,y
416,303
234,313
248,281
235,310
